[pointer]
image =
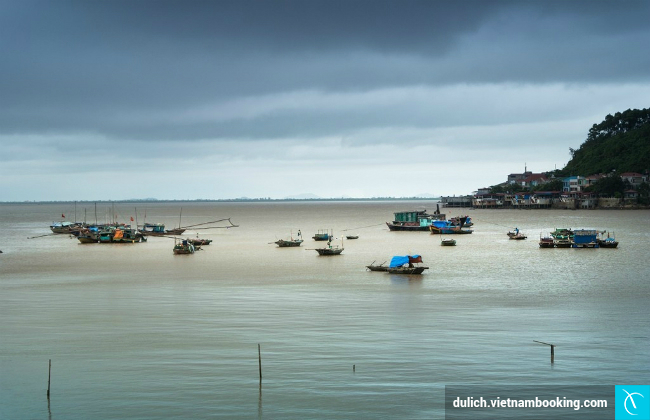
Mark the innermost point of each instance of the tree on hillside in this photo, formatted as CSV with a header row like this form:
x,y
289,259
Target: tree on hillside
x,y
621,142
609,186
552,185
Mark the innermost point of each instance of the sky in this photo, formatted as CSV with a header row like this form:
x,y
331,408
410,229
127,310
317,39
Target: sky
x,y
119,100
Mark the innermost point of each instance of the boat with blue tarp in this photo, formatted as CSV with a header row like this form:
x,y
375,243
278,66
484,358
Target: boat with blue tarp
x,y
406,265
446,227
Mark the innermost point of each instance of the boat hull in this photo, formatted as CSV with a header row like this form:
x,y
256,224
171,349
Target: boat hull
x,y
287,244
407,228
608,244
329,251
407,270
87,239
449,231
562,244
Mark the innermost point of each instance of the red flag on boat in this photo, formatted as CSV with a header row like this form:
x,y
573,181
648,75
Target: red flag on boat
x,y
131,218
63,215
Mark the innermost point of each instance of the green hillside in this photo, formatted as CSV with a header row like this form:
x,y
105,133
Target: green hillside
x,y
621,142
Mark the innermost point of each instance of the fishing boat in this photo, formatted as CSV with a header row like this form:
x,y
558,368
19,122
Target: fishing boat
x,y
414,221
516,234
406,265
128,236
329,249
199,241
546,241
448,242
66,227
182,247
322,235
445,227
283,243
562,237
87,239
373,267
608,242
112,235
158,229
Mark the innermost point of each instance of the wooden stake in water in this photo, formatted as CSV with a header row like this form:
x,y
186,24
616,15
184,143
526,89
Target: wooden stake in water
x,y
552,349
49,376
259,357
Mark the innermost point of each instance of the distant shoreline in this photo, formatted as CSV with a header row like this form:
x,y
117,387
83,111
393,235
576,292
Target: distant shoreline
x,y
233,200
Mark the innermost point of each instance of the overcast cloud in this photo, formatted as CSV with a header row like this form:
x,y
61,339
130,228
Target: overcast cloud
x,y
225,99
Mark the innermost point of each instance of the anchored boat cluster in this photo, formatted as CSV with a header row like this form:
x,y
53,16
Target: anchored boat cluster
x,y
120,233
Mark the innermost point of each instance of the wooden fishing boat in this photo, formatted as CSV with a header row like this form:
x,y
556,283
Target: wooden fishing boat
x,y
516,234
546,242
283,243
158,229
66,227
199,241
448,242
88,239
414,221
322,235
407,270
126,236
183,247
329,249
608,242
406,265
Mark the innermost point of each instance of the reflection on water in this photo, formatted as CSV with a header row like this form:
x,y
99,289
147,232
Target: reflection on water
x,y
135,332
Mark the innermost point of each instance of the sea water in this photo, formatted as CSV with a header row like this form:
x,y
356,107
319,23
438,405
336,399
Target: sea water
x,y
135,332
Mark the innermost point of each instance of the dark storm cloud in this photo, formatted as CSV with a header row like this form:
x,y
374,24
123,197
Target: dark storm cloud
x,y
129,69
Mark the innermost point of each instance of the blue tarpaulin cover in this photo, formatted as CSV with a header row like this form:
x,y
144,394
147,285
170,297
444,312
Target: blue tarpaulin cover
x,y
440,223
398,261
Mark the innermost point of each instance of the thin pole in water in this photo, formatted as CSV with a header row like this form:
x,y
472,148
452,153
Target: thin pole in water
x,y
259,358
49,376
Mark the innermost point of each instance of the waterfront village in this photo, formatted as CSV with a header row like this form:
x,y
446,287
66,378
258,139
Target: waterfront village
x,y
520,190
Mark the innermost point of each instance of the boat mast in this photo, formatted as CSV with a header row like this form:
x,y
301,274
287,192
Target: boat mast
x,y
179,218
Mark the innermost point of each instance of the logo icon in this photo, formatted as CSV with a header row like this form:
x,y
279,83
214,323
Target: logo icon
x,y
632,402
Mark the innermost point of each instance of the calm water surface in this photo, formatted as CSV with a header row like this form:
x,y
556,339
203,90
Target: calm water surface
x,y
136,332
